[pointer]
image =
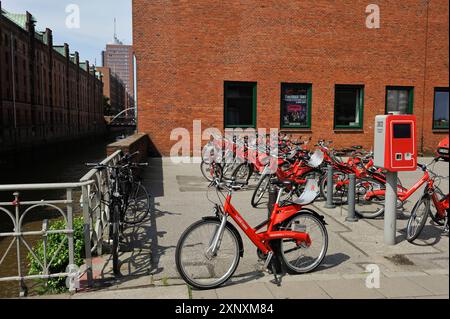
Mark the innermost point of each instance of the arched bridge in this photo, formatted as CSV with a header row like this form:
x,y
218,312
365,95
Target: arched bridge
x,y
125,118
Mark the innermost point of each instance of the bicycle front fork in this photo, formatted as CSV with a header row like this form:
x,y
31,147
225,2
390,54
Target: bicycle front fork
x,y
214,245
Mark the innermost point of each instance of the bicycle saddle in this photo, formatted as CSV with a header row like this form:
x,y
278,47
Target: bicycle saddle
x,y
310,193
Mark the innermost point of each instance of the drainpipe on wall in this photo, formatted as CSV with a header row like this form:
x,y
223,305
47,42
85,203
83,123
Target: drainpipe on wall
x,y
422,144
13,81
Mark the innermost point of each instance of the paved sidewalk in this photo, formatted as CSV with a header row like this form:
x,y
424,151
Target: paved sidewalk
x,y
312,286
412,285
417,270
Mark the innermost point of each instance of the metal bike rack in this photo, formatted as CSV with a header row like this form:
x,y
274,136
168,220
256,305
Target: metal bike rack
x,y
351,217
272,200
330,203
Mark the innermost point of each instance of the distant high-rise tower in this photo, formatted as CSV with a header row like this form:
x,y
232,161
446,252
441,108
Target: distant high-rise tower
x,y
120,59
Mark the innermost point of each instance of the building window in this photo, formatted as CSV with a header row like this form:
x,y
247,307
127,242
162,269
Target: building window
x,y
348,106
440,111
240,104
295,105
399,99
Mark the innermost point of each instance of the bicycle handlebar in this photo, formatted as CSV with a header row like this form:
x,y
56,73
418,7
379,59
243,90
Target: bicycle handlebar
x,y
98,165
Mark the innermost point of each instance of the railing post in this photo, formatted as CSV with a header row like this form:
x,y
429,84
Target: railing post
x,y
351,199
17,230
87,234
70,228
330,202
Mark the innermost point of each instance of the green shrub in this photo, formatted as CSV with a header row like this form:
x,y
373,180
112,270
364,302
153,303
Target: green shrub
x,y
61,261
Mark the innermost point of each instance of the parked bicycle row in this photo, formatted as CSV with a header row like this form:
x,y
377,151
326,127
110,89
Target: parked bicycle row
x,y
298,163
127,200
294,237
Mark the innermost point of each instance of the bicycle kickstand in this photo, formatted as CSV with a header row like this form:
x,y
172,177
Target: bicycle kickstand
x,y
446,225
274,271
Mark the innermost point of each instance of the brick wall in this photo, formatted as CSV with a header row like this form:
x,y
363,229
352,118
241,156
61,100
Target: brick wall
x,y
54,98
186,50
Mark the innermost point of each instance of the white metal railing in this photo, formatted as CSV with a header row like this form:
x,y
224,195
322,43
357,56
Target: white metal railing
x,y
94,189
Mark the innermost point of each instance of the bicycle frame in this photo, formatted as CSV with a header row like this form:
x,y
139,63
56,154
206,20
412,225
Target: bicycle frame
x,y
262,239
441,205
404,194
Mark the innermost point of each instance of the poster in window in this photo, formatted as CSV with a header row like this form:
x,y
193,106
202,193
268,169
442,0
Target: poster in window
x,y
295,106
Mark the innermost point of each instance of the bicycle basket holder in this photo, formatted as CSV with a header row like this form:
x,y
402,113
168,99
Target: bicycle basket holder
x,y
316,159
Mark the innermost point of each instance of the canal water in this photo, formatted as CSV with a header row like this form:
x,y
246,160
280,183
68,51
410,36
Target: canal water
x,y
54,164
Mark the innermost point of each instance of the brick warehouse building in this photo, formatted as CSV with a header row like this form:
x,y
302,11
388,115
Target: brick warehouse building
x,y
114,89
46,93
312,68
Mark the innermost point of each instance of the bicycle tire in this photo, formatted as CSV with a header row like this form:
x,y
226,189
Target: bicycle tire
x,y
373,208
323,249
211,173
115,239
433,213
256,198
144,211
337,199
247,175
179,255
413,233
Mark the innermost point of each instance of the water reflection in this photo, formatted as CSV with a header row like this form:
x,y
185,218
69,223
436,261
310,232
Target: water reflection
x,y
55,164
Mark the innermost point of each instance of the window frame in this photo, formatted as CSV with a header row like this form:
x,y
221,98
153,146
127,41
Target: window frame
x,y
254,103
438,89
361,107
308,86
410,90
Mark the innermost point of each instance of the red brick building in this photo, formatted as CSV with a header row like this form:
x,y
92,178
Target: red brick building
x,y
114,89
312,68
46,93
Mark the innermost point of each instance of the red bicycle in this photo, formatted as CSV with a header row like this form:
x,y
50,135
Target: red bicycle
x,y
303,168
371,204
432,196
209,251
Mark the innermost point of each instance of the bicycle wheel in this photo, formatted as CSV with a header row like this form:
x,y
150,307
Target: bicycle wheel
x,y
340,192
211,170
260,190
138,205
243,172
196,266
433,211
373,207
115,239
417,219
299,258
229,167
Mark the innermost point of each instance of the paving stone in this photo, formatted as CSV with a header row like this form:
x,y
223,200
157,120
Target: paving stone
x,y
438,285
172,292
298,290
401,287
349,289
245,291
204,294
433,297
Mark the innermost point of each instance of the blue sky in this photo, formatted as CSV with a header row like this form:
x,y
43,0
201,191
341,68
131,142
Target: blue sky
x,y
96,22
